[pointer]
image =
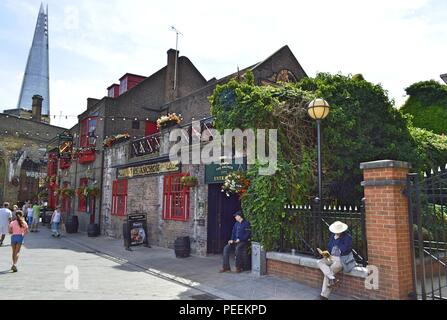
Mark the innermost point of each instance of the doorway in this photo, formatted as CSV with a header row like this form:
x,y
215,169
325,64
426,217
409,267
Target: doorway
x,y
220,217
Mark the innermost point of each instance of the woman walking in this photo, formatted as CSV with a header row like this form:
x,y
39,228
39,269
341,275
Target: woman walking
x,y
18,229
55,222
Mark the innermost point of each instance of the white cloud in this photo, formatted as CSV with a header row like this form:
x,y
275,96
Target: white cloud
x,y
394,42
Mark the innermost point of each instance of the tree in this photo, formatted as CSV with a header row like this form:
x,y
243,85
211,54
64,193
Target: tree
x,y
427,104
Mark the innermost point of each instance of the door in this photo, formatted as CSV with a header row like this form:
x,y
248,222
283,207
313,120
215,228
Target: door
x,y
220,217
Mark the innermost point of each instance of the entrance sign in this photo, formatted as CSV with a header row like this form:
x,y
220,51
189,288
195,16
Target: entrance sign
x,y
216,173
148,169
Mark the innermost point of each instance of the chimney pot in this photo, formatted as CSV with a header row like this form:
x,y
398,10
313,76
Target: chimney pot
x,y
37,108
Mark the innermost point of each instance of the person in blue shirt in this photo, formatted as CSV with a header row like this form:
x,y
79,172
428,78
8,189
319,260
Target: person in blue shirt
x,y
239,239
338,257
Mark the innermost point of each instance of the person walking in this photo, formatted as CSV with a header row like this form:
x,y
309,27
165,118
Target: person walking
x,y
239,239
30,214
5,218
36,216
56,220
15,208
25,210
18,229
337,258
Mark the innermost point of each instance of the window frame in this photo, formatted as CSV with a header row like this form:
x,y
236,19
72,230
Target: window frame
x,y
119,197
169,198
84,134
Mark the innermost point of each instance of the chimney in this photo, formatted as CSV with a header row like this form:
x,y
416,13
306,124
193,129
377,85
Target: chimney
x,y
37,108
170,95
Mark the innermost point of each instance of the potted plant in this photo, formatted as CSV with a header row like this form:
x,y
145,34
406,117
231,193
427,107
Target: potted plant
x,y
189,181
91,191
67,192
80,192
169,120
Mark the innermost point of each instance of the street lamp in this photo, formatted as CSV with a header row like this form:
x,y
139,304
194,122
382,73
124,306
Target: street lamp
x,y
318,109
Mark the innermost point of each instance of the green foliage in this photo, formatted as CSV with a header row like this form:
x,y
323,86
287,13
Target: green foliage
x,y
362,126
428,105
428,92
431,148
264,202
241,105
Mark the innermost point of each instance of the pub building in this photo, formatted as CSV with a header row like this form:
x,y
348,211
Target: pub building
x,y
139,178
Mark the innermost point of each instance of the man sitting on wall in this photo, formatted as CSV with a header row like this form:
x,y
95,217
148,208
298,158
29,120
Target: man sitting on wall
x,y
239,239
338,257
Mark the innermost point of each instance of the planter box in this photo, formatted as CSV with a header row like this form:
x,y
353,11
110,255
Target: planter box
x,y
87,156
64,164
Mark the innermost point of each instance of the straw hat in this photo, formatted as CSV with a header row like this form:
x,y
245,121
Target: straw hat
x,y
338,227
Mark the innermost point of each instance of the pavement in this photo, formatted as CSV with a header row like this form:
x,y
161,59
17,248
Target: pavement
x,y
108,271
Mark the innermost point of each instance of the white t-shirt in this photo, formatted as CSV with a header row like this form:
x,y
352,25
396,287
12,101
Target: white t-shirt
x,y
56,217
5,215
30,212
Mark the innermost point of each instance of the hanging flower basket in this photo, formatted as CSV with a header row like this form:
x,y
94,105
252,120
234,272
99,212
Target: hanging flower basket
x,y
189,181
80,192
91,191
236,183
43,194
169,120
110,141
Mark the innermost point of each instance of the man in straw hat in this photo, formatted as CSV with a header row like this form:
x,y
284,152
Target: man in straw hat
x,y
338,257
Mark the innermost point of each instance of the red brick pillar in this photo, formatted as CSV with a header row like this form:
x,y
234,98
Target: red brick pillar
x,y
387,227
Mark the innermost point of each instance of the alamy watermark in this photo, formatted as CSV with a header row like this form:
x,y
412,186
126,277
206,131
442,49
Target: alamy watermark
x,y
260,146
72,278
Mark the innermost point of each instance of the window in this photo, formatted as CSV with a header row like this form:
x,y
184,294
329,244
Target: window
x,y
119,197
175,198
88,132
135,124
82,206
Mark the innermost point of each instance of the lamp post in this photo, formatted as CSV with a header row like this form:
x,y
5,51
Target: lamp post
x,y
318,109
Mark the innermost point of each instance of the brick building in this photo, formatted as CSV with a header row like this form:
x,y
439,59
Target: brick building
x,y
130,107
138,177
23,141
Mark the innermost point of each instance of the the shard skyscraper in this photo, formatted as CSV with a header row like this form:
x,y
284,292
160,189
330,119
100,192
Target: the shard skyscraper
x,y
37,78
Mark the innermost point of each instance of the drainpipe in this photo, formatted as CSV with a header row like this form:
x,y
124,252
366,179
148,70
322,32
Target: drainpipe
x,y
102,174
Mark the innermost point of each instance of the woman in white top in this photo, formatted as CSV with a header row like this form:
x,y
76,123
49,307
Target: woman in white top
x,y
56,219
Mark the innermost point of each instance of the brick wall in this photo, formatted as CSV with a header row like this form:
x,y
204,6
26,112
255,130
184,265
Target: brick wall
x,y
388,237
349,286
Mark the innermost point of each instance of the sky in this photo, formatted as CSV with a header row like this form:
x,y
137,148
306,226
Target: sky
x,y
93,43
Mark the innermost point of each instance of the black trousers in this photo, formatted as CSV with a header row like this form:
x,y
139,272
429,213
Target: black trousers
x,y
241,254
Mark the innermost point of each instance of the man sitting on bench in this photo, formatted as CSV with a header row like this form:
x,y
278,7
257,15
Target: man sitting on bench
x,y
239,239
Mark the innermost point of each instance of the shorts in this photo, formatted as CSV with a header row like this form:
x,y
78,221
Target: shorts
x,y
4,229
16,239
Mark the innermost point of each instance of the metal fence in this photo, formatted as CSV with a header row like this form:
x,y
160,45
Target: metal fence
x,y
428,228
306,228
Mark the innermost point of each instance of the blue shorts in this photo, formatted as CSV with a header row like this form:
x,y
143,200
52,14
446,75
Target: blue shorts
x,y
16,239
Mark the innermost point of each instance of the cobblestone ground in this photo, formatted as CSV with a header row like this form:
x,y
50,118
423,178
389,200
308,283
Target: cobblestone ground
x,y
44,261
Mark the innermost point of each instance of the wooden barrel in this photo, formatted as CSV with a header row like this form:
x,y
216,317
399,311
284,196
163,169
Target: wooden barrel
x,y
72,224
182,247
93,230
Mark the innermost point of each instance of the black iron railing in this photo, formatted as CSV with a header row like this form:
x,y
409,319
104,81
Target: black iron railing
x,y
428,220
306,228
